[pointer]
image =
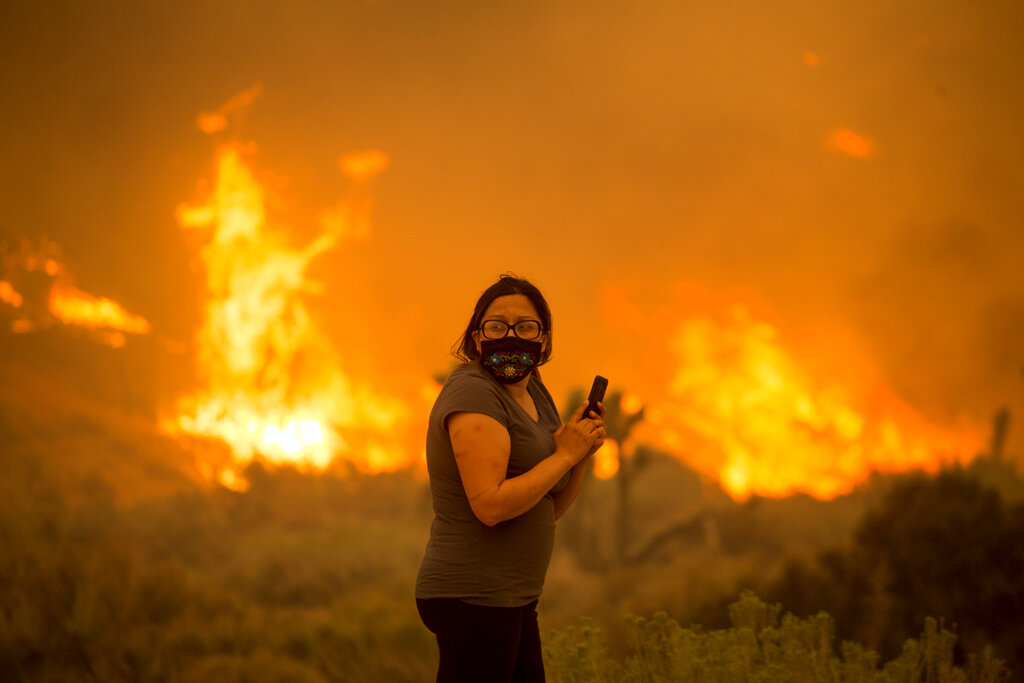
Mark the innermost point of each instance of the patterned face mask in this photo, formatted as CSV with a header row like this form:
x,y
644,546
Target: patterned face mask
x,y
509,359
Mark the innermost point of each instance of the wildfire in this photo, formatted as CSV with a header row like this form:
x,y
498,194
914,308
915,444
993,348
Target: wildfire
x,y
9,295
743,409
273,385
75,307
55,298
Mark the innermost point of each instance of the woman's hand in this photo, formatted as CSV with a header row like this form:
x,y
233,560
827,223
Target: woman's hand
x,y
603,433
594,433
578,438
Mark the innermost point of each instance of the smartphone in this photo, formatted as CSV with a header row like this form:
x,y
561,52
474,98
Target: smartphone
x,y
597,390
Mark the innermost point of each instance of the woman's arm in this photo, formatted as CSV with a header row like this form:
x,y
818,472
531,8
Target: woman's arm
x,y
482,447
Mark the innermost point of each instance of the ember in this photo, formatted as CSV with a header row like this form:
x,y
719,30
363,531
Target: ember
x,y
852,144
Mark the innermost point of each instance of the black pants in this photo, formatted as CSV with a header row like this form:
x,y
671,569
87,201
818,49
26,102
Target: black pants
x,y
484,644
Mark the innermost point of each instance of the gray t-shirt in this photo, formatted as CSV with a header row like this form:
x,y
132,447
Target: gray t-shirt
x,y
503,565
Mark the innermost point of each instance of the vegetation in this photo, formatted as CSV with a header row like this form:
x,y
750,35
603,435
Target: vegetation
x,y
283,583
944,546
759,646
309,578
114,566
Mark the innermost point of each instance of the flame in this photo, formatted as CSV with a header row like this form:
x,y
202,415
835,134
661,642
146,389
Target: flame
x,y
361,166
811,59
606,460
72,306
273,386
852,144
216,121
9,295
744,409
741,405
36,282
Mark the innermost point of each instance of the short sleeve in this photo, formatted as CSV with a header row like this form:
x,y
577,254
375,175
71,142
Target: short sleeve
x,y
469,393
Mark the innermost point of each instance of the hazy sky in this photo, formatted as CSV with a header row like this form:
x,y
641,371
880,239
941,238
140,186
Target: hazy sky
x,y
607,150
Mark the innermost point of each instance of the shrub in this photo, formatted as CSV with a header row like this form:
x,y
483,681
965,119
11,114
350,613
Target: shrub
x,y
760,646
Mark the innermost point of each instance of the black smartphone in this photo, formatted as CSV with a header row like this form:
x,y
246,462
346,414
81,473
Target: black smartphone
x,y
597,390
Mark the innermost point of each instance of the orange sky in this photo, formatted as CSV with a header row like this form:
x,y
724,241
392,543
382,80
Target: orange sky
x,y
600,148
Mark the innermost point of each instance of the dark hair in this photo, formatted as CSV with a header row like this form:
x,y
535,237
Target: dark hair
x,y
465,348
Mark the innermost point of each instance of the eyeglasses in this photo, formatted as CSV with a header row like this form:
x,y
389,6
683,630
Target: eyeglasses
x,y
524,329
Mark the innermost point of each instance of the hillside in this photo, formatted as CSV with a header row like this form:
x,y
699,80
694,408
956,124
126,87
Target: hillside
x,y
118,562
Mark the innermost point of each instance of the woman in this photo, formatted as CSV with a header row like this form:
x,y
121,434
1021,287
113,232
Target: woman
x,y
502,470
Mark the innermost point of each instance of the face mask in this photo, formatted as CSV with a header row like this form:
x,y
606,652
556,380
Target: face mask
x,y
509,359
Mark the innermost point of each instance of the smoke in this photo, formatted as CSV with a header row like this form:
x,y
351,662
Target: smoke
x,y
944,312
577,143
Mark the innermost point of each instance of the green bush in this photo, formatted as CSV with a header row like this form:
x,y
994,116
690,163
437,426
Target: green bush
x,y
760,646
945,546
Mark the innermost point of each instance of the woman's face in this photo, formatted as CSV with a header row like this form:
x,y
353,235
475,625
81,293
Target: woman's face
x,y
511,309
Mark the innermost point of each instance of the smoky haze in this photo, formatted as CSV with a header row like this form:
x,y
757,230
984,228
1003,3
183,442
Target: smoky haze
x,y
592,146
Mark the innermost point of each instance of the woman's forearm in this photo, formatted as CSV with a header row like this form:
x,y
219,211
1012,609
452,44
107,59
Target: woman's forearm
x,y
516,495
482,448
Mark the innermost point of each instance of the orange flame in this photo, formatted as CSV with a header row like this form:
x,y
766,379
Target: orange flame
x,y
361,166
273,385
606,460
9,295
72,306
58,300
351,216
216,121
742,407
